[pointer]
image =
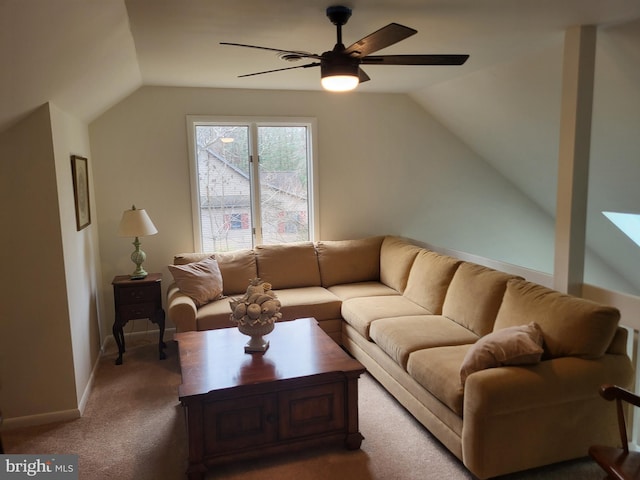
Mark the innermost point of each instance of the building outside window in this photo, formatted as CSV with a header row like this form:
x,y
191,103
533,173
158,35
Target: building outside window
x,y
252,182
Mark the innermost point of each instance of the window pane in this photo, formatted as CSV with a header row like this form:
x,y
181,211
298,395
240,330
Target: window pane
x,y
284,179
224,187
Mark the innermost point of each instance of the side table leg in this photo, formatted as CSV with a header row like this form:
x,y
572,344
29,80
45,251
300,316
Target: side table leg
x,y
161,344
118,335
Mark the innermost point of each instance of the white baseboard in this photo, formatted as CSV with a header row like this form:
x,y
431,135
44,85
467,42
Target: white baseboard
x,y
40,419
109,346
82,404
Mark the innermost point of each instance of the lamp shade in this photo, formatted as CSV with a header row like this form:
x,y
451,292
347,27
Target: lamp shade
x,y
136,223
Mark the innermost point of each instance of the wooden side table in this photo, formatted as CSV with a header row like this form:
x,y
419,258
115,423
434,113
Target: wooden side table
x,y
136,299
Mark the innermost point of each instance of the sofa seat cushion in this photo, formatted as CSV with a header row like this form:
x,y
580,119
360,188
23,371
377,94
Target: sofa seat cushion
x,y
288,265
362,289
429,279
396,257
304,302
360,312
214,315
400,336
349,261
474,297
571,326
438,371
296,303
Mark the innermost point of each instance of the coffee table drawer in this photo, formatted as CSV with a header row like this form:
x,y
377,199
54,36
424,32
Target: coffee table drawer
x,y
312,410
239,423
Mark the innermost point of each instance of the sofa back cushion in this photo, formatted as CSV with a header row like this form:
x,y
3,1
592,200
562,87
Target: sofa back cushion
x,y
429,279
289,265
396,257
571,326
237,268
474,297
349,261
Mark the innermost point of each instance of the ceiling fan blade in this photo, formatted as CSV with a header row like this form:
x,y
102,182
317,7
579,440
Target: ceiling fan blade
x,y
362,76
414,60
291,52
382,38
314,64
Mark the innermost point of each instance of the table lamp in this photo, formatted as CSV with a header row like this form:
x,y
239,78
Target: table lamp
x,y
136,223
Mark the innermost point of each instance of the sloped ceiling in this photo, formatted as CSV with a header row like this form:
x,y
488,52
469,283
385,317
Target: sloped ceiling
x,y
78,54
86,55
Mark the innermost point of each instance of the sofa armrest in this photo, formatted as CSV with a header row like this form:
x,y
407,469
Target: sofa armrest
x,y
506,389
181,309
551,402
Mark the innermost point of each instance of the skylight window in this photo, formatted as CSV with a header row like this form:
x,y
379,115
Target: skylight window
x,y
629,223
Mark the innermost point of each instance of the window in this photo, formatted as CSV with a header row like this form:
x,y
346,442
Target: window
x,y
629,223
252,182
237,221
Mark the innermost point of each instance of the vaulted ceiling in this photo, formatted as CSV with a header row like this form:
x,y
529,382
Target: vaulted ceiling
x,y
86,55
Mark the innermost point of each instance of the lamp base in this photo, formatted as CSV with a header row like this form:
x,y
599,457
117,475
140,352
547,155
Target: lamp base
x,y
138,257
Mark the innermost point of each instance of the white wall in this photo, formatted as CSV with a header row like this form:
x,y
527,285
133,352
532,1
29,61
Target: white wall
x,y
385,167
80,249
49,306
36,363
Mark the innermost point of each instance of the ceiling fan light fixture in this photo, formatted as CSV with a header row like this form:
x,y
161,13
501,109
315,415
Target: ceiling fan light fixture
x,y
340,83
340,77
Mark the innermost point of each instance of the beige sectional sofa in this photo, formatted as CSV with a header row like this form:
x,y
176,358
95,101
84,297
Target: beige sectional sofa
x,y
504,372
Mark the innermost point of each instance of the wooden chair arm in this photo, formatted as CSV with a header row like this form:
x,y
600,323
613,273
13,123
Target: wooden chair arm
x,y
619,394
614,392
618,463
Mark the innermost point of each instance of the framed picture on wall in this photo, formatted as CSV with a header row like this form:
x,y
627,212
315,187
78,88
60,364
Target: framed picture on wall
x,y
80,172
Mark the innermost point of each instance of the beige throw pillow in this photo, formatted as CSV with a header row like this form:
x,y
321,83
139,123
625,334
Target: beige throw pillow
x,y
519,345
202,281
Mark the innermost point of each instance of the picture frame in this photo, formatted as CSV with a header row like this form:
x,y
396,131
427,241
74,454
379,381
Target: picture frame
x,y
80,173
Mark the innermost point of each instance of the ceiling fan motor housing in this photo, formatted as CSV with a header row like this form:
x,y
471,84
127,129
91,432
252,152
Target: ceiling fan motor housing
x,y
336,63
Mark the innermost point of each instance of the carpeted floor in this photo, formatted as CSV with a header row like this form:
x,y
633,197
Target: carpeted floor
x,y
133,428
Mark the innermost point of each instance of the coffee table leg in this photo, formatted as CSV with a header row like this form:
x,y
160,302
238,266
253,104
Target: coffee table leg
x,y
354,438
353,441
195,438
196,472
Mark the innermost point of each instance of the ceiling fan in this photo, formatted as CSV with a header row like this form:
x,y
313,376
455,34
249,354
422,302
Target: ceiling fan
x,y
340,68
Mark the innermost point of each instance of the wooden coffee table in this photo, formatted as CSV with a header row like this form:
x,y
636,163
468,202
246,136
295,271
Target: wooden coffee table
x,y
301,392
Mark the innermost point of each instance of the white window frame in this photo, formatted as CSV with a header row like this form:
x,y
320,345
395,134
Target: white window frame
x,y
253,123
